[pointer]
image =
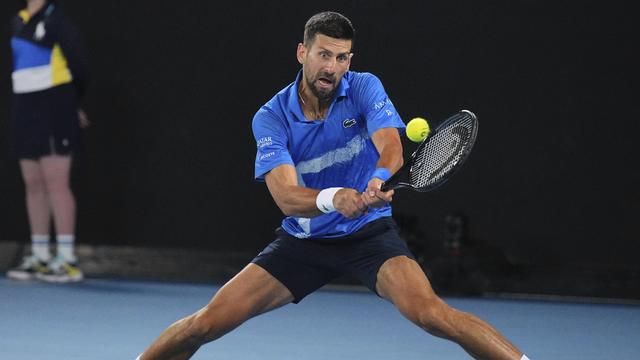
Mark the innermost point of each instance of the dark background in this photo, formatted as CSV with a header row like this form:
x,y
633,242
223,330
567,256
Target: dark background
x,y
550,186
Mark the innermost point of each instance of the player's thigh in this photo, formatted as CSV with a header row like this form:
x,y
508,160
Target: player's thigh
x,y
56,169
251,292
31,173
402,281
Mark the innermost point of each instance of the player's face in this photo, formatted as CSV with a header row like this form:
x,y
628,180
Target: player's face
x,y
324,63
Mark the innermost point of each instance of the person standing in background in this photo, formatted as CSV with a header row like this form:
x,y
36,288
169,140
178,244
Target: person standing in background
x,y
49,77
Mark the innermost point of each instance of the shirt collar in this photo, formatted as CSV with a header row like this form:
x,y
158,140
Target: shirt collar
x,y
294,103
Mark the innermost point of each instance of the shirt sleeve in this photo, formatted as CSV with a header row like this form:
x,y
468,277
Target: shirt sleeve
x,y
271,138
376,106
72,47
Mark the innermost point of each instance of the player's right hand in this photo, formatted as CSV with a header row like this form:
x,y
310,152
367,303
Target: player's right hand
x,y
349,203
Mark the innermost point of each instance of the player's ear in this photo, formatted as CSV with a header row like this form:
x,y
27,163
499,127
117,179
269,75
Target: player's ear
x,y
301,53
349,61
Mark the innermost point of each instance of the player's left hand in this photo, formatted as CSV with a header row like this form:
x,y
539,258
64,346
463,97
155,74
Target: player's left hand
x,y
83,119
374,197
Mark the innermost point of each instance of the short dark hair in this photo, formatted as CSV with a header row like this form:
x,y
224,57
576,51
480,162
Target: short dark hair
x,y
329,23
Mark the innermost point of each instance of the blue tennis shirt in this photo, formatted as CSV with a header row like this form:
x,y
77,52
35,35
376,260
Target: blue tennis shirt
x,y
334,152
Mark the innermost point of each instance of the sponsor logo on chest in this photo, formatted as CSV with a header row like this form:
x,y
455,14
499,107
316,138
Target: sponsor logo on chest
x,y
346,123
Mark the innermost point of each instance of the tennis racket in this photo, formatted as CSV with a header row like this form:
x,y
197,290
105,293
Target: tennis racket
x,y
438,156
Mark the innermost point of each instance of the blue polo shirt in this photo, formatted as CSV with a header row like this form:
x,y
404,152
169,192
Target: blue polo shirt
x,y
334,152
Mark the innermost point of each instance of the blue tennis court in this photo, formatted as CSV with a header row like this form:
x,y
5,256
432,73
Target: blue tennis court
x,y
116,319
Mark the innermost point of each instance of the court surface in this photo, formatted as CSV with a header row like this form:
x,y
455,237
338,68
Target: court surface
x,y
116,319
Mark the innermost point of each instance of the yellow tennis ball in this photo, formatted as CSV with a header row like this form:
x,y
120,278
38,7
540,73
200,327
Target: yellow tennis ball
x,y
418,129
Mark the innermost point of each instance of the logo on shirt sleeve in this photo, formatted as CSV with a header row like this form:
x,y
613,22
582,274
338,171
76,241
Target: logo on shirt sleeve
x,y
380,104
264,141
267,155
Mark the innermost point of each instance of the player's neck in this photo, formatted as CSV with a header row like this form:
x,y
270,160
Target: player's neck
x,y
312,107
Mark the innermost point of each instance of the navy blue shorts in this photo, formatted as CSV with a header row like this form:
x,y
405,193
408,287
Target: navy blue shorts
x,y
46,122
305,265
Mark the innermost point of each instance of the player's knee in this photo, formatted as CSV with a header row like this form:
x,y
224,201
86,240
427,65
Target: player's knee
x,y
212,322
437,318
34,184
196,331
57,187
188,332
202,328
429,319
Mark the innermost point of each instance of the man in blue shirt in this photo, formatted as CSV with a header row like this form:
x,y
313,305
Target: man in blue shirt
x,y
326,148
325,145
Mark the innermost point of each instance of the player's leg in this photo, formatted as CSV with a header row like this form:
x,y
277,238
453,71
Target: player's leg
x,y
402,281
56,170
38,209
251,292
39,220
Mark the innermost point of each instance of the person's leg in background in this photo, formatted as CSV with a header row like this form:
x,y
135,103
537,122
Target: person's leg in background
x,y
39,214
56,170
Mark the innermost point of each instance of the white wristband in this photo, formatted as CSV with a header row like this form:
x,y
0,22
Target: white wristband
x,y
324,200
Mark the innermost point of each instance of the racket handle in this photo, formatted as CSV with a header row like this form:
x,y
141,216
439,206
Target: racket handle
x,y
392,182
388,186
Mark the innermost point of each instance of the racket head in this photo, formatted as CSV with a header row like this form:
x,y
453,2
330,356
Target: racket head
x,y
441,154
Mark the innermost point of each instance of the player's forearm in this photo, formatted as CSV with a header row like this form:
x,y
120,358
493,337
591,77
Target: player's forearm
x,y
387,142
391,157
298,201
291,198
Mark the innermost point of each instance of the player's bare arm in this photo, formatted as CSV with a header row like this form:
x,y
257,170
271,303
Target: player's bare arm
x,y
387,142
295,200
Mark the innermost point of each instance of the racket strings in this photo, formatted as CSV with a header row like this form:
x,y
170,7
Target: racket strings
x,y
442,152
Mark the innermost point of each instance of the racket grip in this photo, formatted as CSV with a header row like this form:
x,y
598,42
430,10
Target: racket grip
x,y
386,187
390,184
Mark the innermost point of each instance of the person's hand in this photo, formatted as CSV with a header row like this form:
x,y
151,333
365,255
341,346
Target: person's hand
x,y
349,203
374,197
83,119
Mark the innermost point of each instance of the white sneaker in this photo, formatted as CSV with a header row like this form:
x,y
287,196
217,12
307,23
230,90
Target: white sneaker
x,y
28,269
61,271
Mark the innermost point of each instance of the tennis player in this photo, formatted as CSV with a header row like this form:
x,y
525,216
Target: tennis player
x,y
325,144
